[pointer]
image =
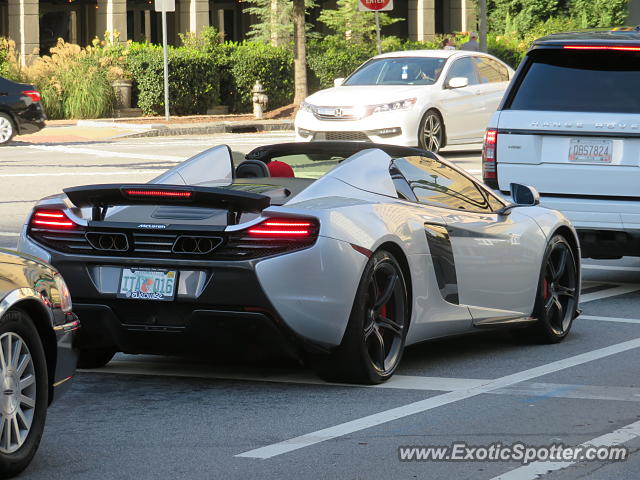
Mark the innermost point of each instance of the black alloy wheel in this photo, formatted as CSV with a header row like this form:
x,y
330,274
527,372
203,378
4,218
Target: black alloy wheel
x,y
95,357
373,343
558,295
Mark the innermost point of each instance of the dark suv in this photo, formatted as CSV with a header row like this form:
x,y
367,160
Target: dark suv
x,y
21,111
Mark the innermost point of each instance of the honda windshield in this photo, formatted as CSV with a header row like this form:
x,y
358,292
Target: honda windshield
x,y
398,71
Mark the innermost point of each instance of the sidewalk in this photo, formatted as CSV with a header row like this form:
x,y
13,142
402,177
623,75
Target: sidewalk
x,y
74,131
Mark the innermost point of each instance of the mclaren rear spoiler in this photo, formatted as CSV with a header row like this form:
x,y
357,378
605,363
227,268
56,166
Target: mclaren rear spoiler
x,y
101,197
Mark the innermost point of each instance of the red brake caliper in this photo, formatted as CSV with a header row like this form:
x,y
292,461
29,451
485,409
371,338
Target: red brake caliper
x,y
545,289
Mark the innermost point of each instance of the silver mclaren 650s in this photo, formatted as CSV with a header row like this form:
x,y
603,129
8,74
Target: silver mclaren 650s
x,y
338,253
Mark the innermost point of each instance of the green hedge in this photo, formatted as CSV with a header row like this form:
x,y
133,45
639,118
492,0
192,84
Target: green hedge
x,y
244,63
509,51
194,79
332,58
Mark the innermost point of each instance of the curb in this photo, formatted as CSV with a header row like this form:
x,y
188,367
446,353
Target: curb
x,y
161,130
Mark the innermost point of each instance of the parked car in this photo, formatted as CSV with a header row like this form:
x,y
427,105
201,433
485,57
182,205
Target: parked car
x,y
37,358
425,98
21,110
392,246
570,126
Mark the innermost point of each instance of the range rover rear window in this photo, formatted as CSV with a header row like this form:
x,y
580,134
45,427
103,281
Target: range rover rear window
x,y
579,81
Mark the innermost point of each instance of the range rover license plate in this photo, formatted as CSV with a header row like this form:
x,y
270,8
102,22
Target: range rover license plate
x,y
590,151
147,284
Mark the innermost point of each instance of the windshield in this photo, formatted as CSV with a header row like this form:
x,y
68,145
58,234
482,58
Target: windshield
x,y
398,71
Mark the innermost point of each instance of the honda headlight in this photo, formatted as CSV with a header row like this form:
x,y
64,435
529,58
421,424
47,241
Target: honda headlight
x,y
405,104
307,107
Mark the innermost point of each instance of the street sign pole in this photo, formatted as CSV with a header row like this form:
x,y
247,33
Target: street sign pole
x,y
166,61
378,32
376,6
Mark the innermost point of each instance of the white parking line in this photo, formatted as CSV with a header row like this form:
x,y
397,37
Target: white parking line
x,y
610,268
105,153
9,234
81,174
538,469
164,369
386,416
609,319
610,292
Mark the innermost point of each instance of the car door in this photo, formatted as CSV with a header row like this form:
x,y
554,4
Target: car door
x,y
438,311
462,108
493,79
494,257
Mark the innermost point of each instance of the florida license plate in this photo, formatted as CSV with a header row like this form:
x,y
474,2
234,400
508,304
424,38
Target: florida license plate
x,y
147,284
590,151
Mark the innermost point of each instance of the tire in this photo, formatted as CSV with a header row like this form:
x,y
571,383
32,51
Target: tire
x,y
25,376
373,342
431,133
95,357
7,128
557,296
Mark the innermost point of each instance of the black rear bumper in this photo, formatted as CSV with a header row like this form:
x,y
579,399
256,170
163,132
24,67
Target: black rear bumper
x,y
179,329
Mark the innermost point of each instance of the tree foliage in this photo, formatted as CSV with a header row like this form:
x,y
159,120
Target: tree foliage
x,y
349,23
521,17
275,20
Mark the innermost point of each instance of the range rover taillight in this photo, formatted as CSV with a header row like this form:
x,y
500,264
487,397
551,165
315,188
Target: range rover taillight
x,y
489,158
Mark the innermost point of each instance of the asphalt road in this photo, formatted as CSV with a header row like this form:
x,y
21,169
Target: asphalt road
x,y
162,417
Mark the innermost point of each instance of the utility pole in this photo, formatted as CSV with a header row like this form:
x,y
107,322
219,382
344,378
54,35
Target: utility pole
x,y
483,25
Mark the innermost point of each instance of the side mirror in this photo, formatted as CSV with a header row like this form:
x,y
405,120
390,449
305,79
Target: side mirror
x,y
458,82
338,82
524,195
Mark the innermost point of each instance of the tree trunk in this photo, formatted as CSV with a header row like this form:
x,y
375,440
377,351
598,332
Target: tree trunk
x,y
300,52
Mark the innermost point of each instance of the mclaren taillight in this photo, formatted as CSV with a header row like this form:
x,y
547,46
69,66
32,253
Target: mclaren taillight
x,y
33,95
284,228
155,194
489,158
272,236
51,220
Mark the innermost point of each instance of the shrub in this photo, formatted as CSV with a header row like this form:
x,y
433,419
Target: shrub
x,y
247,62
508,50
71,80
331,58
194,80
4,54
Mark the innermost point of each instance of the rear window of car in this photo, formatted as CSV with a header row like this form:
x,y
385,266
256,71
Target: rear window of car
x,y
579,81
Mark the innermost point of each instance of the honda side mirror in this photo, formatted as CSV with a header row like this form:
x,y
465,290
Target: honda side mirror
x,y
338,82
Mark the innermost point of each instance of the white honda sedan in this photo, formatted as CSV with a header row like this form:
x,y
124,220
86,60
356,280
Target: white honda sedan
x,y
425,98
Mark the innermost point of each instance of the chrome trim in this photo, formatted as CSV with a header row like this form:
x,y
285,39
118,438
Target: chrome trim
x,y
57,384
19,294
67,327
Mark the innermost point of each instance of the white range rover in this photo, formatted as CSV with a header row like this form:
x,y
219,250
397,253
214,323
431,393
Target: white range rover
x,y
569,125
